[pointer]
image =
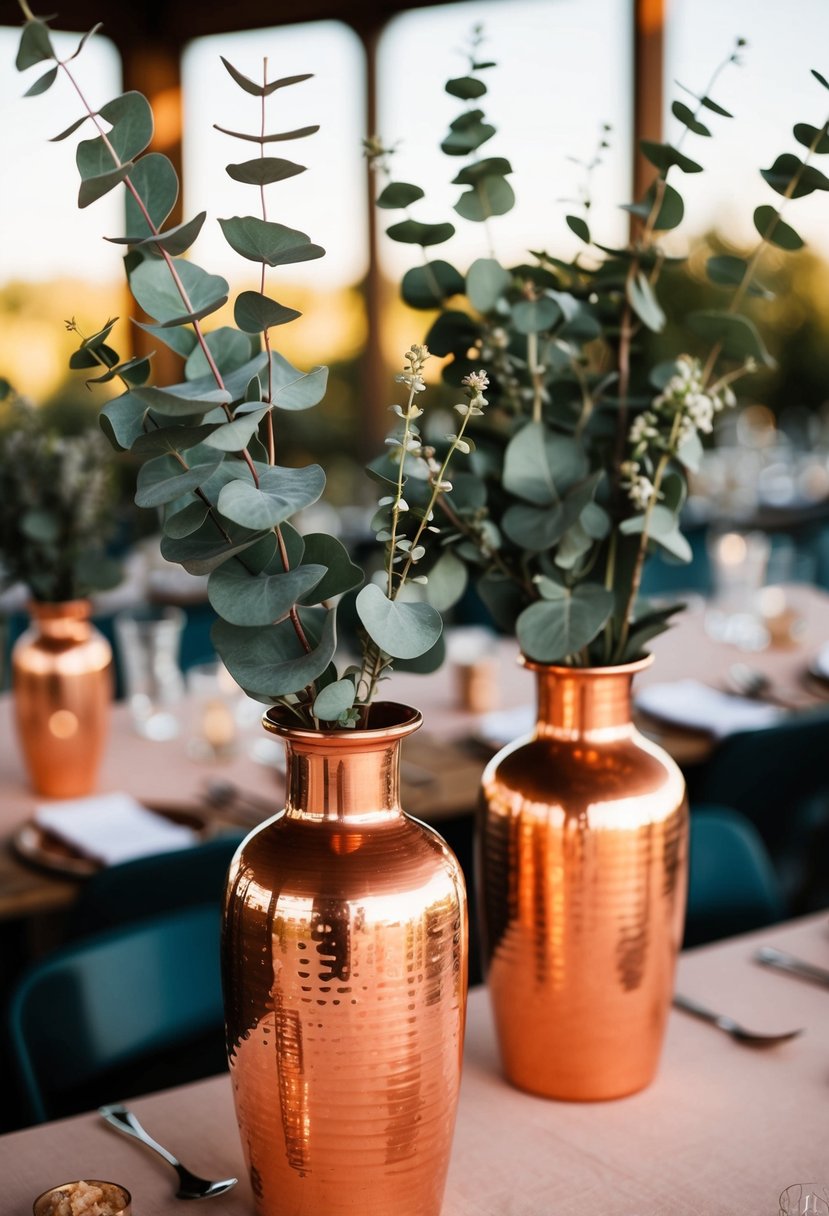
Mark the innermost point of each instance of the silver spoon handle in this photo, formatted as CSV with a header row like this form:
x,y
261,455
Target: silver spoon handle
x,y
123,1120
698,1011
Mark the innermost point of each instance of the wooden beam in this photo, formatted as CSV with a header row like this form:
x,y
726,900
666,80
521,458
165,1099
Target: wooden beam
x,y
648,74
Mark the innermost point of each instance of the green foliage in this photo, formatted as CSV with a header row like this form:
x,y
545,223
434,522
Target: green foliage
x,y
57,492
207,445
599,392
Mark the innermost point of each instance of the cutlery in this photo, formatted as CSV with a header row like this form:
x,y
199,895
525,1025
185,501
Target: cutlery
x,y
795,966
748,1037
225,796
190,1185
753,683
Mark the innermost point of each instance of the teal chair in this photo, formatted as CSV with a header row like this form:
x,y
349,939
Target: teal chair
x,y
733,886
778,778
149,886
121,1013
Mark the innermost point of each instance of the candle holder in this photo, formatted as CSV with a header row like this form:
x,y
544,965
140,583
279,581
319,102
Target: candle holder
x,y
738,562
805,1199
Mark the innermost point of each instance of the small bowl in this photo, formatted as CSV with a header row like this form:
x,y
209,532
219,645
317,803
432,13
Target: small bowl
x,y
43,1204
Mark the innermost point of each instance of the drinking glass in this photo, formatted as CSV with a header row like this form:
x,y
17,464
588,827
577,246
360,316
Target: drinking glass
x,y
738,571
805,1199
149,643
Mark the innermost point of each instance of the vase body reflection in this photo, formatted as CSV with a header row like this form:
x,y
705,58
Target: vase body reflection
x,y
63,687
344,964
583,848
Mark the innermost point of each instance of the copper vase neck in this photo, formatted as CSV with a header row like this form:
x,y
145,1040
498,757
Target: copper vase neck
x,y
345,775
590,703
64,619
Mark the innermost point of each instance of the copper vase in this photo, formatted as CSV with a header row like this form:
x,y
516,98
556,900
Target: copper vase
x,y
344,963
583,848
63,686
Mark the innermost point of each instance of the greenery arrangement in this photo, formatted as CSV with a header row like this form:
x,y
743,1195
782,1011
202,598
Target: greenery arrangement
x,y
209,444
581,463
56,498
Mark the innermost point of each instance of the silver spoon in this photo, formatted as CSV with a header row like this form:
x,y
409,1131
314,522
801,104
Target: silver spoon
x,y
753,683
190,1185
749,1037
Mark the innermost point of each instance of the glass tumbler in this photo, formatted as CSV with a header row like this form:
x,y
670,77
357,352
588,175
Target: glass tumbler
x,y
149,643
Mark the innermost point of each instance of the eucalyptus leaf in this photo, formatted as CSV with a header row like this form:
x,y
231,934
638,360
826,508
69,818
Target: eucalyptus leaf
x,y
536,316
486,283
644,303
163,479
254,312
175,240
397,195
262,90
467,133
264,170
298,133
122,420
246,598
539,465
43,83
401,629
814,138
579,226
772,228
687,117
466,87
280,493
268,242
447,581
738,335
185,522
156,183
209,546
228,348
170,439
235,436
564,622
35,45
791,177
452,330
270,661
334,700
156,292
341,574
430,285
413,232
489,196
664,157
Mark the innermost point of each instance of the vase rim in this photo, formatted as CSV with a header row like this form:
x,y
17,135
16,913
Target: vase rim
x,y
608,669
50,609
398,720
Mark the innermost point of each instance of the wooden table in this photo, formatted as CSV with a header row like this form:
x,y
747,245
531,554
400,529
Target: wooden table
x,y
723,1129
163,773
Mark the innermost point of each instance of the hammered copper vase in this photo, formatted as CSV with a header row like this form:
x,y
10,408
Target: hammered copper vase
x,y
62,681
583,851
344,963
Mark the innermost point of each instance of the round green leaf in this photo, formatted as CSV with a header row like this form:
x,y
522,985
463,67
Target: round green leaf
x,y
535,316
156,182
540,466
738,335
686,116
490,196
817,139
786,168
281,492
428,286
576,224
554,628
254,312
486,283
264,170
153,287
771,228
35,45
244,598
334,700
413,232
397,195
161,480
264,241
465,87
270,661
447,581
401,629
235,436
644,303
229,349
341,573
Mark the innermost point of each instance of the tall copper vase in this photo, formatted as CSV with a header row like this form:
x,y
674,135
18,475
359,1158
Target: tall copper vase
x,y
344,962
583,846
63,686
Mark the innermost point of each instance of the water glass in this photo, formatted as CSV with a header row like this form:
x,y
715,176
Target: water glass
x,y
149,643
805,1199
738,570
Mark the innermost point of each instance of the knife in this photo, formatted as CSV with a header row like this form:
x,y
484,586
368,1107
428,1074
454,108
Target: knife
x,y
795,966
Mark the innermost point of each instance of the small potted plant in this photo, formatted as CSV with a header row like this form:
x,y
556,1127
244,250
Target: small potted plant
x,y
344,944
56,498
582,463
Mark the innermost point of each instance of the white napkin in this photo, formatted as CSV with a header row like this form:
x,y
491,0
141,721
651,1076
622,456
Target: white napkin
x,y
692,703
112,827
504,725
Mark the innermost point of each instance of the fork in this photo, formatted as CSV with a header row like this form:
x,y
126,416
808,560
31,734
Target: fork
x,y
748,1037
190,1185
